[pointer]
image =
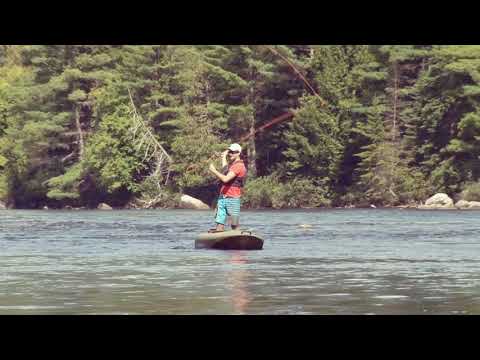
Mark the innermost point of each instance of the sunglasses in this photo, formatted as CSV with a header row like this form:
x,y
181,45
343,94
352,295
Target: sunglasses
x,y
232,152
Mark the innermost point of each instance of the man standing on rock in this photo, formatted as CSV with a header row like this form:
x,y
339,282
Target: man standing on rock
x,y
232,177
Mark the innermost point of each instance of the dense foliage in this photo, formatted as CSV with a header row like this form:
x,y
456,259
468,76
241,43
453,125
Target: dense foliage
x,y
383,125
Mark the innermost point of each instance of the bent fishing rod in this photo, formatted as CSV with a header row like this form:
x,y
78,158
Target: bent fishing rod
x,y
286,116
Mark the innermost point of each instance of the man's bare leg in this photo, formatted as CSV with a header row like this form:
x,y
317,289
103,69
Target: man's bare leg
x,y
235,222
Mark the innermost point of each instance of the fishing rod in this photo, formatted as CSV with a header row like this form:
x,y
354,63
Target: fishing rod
x,y
304,79
288,114
278,119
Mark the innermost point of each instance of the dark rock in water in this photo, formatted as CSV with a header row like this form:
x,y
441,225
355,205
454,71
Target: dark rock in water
x,y
104,206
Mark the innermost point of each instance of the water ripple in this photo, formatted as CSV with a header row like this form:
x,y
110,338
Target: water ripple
x,y
313,262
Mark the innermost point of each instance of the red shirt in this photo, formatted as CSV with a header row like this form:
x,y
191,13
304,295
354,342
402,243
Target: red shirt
x,y
239,169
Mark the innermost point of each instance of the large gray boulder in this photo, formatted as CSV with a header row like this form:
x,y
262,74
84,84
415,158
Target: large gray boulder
x,y
2,205
438,201
463,204
474,205
104,206
189,202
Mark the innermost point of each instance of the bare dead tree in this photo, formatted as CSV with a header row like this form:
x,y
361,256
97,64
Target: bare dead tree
x,y
80,132
143,138
395,100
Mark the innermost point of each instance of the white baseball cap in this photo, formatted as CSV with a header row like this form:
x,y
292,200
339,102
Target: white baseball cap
x,y
235,147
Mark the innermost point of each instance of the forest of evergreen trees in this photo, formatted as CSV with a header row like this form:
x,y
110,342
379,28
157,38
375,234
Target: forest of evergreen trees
x,y
137,125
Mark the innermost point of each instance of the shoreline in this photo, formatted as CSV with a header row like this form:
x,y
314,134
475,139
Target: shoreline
x,y
195,204
383,208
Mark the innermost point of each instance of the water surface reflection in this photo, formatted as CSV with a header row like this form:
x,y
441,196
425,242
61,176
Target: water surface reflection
x,y
144,262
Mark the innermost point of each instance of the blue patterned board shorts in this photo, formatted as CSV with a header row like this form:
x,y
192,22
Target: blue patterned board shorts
x,y
228,206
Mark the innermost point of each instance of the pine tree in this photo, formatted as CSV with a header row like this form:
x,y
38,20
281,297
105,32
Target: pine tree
x,y
447,94
314,149
209,104
384,172
58,108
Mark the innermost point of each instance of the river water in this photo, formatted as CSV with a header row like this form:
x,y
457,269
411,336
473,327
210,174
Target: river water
x,y
144,262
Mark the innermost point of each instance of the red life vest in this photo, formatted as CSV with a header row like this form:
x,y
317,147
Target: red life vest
x,y
237,181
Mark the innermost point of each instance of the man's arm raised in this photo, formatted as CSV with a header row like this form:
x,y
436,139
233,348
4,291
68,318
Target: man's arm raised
x,y
224,178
